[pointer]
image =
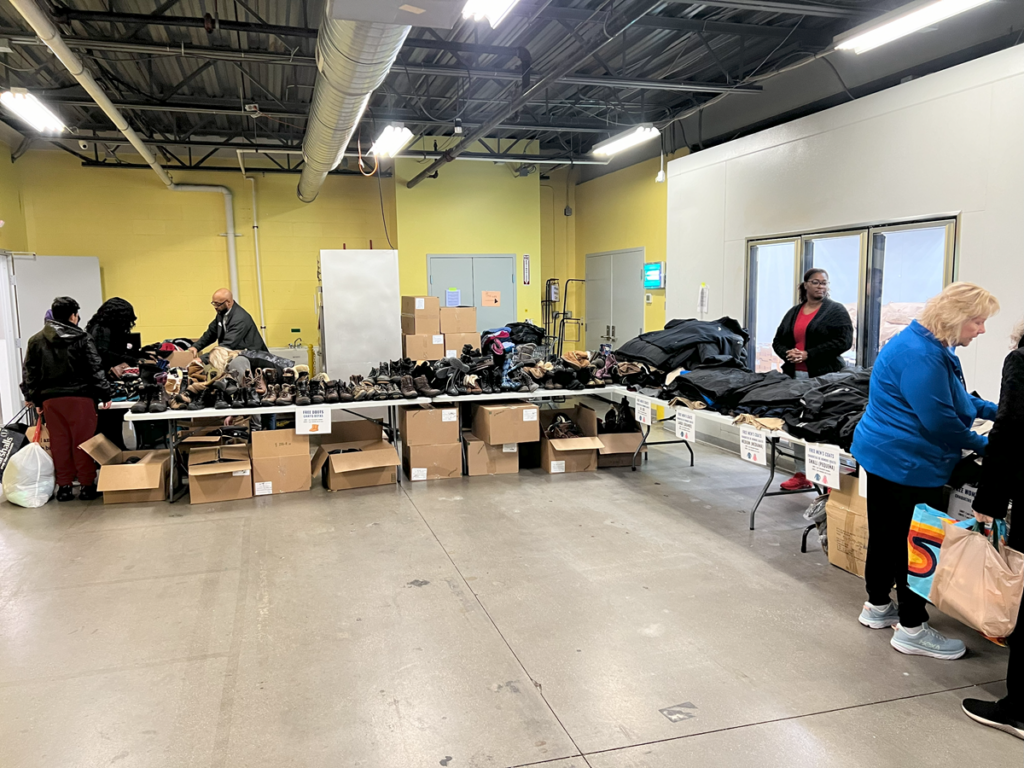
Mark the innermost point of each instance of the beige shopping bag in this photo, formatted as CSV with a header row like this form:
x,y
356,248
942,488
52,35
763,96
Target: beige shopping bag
x,y
978,584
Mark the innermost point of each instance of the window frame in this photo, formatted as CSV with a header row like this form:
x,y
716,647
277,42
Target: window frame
x,y
751,287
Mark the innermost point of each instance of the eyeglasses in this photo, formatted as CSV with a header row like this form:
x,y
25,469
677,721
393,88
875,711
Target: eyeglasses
x,y
821,283
217,303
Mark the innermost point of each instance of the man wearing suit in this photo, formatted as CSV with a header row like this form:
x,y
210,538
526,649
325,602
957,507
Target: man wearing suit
x,y
233,328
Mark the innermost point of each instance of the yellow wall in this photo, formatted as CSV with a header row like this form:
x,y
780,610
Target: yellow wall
x,y
473,208
165,251
12,233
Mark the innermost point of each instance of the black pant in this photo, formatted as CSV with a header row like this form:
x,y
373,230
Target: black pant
x,y
110,424
890,512
1015,669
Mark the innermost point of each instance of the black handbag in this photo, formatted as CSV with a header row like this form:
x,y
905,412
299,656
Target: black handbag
x,y
13,437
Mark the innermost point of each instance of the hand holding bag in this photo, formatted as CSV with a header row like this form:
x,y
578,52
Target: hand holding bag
x,y
978,581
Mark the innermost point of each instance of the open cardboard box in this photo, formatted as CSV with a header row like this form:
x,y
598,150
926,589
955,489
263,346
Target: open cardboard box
x,y
219,473
122,483
280,462
618,449
574,454
375,461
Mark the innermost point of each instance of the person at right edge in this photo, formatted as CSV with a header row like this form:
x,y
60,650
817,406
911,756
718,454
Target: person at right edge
x,y
917,424
812,338
64,379
998,487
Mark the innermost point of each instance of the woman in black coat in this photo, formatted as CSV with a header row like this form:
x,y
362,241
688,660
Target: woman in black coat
x,y
110,329
999,487
811,339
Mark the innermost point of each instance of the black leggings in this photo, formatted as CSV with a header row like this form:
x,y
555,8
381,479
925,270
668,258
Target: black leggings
x,y
890,511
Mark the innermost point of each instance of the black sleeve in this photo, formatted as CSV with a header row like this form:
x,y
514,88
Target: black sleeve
x,y
209,337
102,338
1001,466
783,341
97,376
30,376
839,330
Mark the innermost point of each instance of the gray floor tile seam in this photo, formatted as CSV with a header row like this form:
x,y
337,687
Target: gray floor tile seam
x,y
154,577
537,685
773,721
112,670
80,531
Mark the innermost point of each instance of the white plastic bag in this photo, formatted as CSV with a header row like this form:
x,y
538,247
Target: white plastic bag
x,y
29,479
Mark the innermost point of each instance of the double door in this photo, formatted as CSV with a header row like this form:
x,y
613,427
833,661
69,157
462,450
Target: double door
x,y
615,297
484,281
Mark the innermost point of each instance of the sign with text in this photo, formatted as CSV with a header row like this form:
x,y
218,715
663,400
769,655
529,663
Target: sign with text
x,y
686,425
490,298
823,464
313,421
452,297
643,410
752,445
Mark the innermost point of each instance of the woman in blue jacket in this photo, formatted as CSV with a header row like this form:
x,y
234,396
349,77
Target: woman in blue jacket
x,y
917,424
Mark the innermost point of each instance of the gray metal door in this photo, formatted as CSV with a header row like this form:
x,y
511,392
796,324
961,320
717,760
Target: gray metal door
x,y
599,299
615,297
487,282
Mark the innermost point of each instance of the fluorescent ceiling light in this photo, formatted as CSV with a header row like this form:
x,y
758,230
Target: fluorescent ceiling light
x,y
492,10
31,110
392,140
630,138
902,22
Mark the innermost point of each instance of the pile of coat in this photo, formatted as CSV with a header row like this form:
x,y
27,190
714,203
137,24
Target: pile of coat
x,y
689,344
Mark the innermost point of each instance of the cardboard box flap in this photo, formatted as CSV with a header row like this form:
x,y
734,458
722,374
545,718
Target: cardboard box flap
x,y
202,440
235,452
577,444
322,452
219,468
203,455
624,442
143,476
380,455
102,450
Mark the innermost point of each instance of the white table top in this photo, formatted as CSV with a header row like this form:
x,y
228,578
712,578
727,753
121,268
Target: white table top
x,y
206,413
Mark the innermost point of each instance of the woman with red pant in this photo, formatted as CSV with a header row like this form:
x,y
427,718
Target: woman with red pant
x,y
64,379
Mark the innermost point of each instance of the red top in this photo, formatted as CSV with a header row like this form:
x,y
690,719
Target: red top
x,y
800,332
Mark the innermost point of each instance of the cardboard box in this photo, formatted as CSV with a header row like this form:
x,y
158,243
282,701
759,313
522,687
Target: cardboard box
x,y
459,320
574,454
420,315
179,359
454,342
484,459
370,460
280,462
847,513
432,462
428,425
219,473
618,449
507,423
122,483
425,347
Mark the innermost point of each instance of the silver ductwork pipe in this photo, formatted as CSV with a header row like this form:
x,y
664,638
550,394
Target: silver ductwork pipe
x,y
353,58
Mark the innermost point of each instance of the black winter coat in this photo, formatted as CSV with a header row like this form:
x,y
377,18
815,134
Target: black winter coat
x,y
112,346
689,344
1001,468
829,335
61,361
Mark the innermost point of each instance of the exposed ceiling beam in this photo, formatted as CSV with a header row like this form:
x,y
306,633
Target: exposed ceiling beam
x,y
770,6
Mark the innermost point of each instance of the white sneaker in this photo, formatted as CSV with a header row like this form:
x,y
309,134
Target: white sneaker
x,y
880,618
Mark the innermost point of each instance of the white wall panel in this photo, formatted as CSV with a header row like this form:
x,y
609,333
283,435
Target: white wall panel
x,y
949,143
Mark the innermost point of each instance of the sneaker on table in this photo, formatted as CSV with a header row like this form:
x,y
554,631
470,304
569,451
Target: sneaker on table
x,y
797,482
882,617
995,715
927,642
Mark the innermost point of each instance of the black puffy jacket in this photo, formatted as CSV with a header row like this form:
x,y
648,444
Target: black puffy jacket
x,y
689,344
61,361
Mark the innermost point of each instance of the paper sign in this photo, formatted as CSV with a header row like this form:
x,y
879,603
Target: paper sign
x,y
452,297
862,483
510,448
686,425
313,421
438,338
240,473
752,445
490,298
823,464
557,467
264,489
643,410
961,503
530,414
450,353
421,303
450,414
419,473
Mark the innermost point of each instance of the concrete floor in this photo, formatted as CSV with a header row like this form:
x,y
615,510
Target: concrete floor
x,y
506,621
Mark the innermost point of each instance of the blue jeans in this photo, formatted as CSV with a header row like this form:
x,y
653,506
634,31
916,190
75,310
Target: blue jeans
x,y
800,451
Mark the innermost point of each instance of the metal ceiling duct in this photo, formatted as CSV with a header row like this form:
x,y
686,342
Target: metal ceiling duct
x,y
353,58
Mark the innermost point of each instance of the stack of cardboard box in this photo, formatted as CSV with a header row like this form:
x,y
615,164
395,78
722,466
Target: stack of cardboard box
x,y
430,442
458,326
492,447
421,328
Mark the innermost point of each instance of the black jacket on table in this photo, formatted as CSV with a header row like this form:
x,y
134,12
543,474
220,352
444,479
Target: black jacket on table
x,y
1001,469
61,361
236,330
829,335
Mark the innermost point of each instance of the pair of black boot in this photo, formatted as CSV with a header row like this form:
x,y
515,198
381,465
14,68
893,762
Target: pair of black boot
x,y
85,493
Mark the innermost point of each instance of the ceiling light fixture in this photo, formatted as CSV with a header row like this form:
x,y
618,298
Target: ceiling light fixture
x,y
492,10
630,138
392,140
901,22
31,110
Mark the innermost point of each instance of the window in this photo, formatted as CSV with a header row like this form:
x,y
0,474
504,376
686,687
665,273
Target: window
x,y
883,276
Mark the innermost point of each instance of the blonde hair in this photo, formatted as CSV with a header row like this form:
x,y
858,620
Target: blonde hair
x,y
1017,334
944,315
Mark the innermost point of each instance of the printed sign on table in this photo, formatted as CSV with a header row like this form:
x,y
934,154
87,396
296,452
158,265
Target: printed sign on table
x,y
686,425
643,410
752,445
313,421
823,464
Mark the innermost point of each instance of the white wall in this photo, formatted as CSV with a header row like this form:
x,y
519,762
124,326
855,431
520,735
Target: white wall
x,y
949,143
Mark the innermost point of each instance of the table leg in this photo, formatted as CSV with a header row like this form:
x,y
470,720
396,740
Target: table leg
x,y
641,446
773,441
